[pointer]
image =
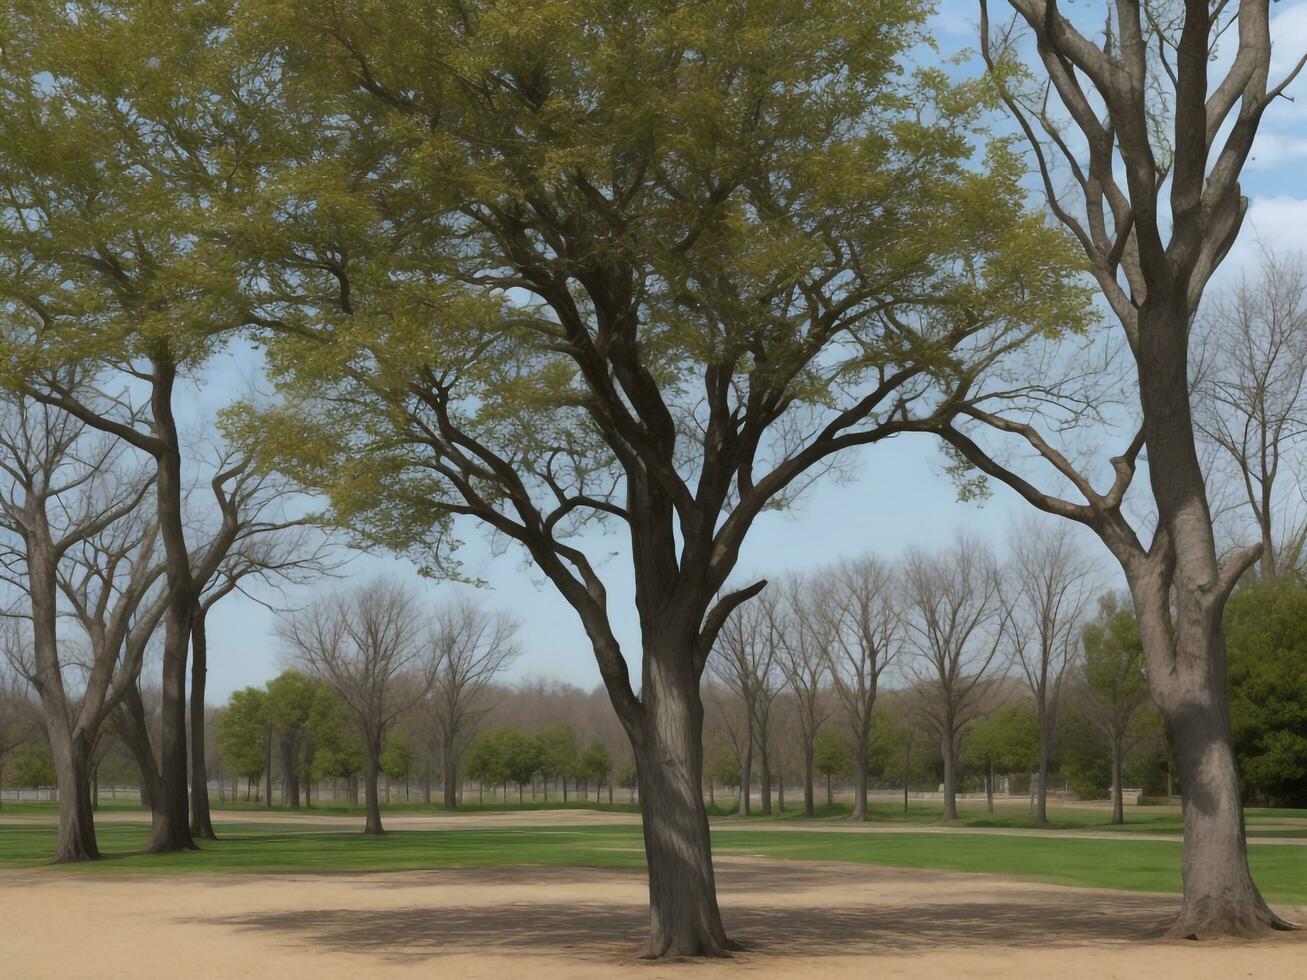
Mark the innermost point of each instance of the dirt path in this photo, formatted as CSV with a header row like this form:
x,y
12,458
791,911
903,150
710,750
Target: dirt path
x,y
798,921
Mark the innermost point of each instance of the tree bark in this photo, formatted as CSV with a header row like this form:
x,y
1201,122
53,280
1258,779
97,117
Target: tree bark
x,y
372,796
947,747
809,803
746,774
449,796
684,917
764,777
201,821
989,790
1045,751
172,831
1118,804
72,776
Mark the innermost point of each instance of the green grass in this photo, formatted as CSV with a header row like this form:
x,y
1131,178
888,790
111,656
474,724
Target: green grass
x,y
285,848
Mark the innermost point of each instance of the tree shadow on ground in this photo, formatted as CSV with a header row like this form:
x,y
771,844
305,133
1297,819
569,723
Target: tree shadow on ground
x,y
761,911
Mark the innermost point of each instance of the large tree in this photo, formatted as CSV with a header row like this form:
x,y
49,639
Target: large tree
x,y
127,129
64,493
650,263
1138,149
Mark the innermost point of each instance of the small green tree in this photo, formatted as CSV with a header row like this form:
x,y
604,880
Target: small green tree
x,y
594,766
558,755
398,758
335,747
487,757
244,736
290,701
1004,739
831,757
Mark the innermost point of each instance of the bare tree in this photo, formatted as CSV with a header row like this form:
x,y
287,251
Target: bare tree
x,y
743,661
61,488
1050,584
1252,393
803,664
255,538
864,634
471,647
954,617
367,645
1127,113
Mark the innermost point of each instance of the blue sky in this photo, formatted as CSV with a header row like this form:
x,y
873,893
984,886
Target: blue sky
x,y
895,497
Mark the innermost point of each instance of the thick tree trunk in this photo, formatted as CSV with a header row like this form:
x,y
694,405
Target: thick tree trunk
x,y
684,917
449,796
76,840
1220,896
371,771
809,803
860,783
201,822
172,832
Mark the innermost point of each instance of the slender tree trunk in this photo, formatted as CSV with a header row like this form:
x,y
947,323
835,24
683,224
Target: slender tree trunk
x,y
267,769
1118,804
746,774
684,917
1045,753
860,775
780,789
829,796
989,790
809,807
372,794
764,777
947,746
449,795
201,821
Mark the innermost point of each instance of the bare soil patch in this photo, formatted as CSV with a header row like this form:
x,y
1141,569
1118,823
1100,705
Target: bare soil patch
x,y
797,920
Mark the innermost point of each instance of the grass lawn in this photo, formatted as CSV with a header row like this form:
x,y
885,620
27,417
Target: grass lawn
x,y
283,848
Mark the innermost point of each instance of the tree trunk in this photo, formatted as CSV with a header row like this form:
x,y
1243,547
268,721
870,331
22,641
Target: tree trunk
x,y
201,822
859,784
267,768
780,789
132,728
1118,804
809,802
1045,752
684,917
449,794
372,795
947,746
989,790
71,753
829,797
172,831
764,777
746,775
1220,896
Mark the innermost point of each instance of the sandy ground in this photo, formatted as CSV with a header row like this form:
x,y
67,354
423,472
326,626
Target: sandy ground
x,y
797,920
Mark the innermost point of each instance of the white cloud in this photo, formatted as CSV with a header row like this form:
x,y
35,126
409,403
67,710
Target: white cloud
x,y
1278,223
1288,37
1271,149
